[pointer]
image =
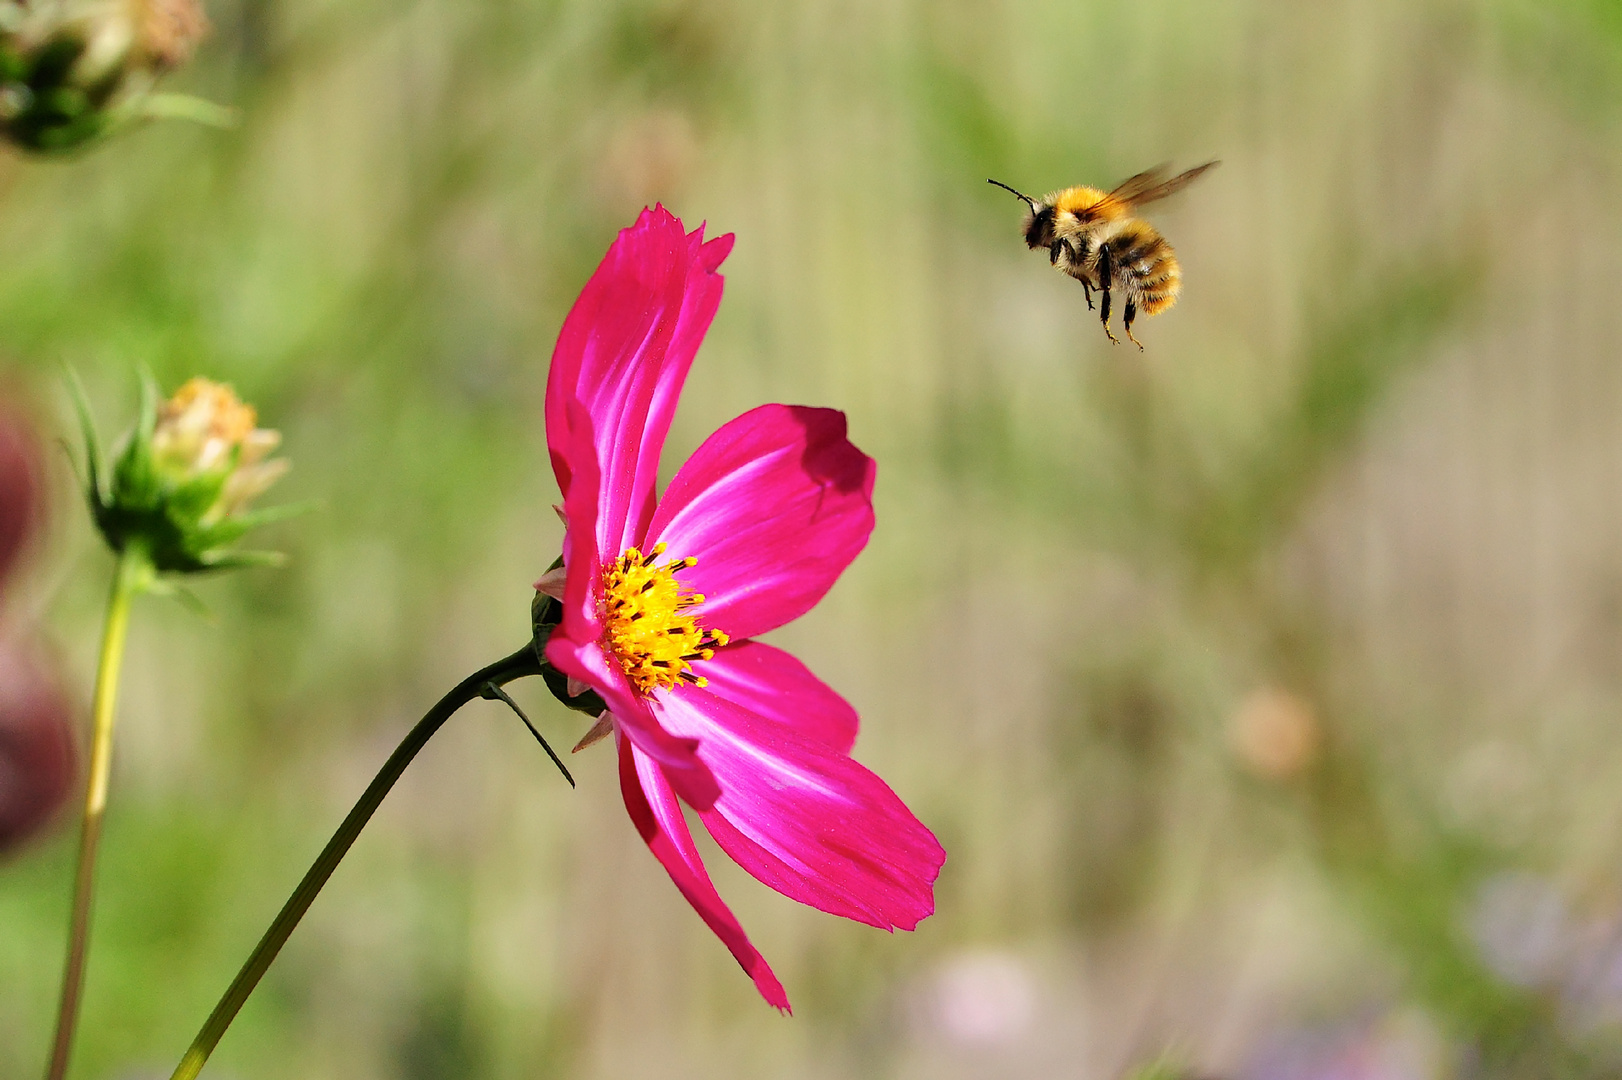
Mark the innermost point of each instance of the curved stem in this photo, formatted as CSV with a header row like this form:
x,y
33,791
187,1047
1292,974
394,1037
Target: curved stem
x,y
521,663
133,575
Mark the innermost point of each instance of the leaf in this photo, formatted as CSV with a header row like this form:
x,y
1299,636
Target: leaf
x,y
236,560
94,491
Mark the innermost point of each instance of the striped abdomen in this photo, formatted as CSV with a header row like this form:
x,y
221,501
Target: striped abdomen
x,y
1144,267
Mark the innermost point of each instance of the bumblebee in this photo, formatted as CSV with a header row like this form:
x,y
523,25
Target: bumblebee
x,y
1093,236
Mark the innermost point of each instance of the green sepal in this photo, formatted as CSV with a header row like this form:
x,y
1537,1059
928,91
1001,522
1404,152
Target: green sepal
x,y
231,529
135,479
237,560
587,701
94,492
137,503
190,499
545,614
187,599
168,106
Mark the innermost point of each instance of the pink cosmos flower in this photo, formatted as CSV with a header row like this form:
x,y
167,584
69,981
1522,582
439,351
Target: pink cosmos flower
x,y
662,598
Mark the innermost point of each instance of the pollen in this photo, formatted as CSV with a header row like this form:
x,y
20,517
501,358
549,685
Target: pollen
x,y
649,622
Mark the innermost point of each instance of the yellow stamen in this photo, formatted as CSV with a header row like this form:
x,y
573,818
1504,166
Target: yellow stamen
x,y
649,623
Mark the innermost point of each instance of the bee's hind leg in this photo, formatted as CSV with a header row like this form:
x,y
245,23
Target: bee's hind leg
x,y
1103,288
1127,316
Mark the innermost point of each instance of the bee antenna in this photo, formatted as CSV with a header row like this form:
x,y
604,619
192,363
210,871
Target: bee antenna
x,y
1017,192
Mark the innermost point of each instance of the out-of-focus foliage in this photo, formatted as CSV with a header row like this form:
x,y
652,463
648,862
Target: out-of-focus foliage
x,y
1263,687
74,70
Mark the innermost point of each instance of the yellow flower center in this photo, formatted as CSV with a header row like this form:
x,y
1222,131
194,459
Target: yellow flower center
x,y
648,623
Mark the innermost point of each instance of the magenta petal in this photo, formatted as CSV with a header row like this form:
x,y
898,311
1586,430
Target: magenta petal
x,y
774,506
774,686
677,755
806,819
623,354
658,817
575,648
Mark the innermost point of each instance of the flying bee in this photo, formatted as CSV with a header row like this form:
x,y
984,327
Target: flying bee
x,y
1093,236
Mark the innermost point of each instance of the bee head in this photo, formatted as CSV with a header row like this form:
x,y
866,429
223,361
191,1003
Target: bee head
x,y
1038,225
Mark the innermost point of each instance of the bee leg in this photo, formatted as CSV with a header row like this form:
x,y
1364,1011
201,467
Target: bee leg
x,y
1081,265
1103,288
1126,318
1055,249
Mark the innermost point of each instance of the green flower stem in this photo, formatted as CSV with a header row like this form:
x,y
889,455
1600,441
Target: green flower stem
x,y
134,575
521,663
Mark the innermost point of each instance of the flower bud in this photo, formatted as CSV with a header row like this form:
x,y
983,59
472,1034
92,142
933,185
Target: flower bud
x,y
204,431
181,488
71,69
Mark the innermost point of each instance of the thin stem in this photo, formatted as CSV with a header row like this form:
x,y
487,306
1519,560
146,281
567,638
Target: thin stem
x,y
132,577
521,663
494,691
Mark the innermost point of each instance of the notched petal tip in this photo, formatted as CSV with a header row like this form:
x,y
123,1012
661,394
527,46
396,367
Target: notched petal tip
x,y
712,253
552,583
603,728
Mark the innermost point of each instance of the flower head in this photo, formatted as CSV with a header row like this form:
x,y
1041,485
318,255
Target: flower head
x,y
205,431
36,738
659,600
72,69
182,485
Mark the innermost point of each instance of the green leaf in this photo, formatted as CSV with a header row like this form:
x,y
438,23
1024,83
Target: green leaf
x,y
135,479
237,560
94,492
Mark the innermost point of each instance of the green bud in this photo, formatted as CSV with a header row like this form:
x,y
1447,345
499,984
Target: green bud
x,y
70,70
545,612
181,488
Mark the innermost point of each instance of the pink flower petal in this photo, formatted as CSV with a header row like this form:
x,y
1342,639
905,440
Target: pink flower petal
x,y
575,646
623,353
658,817
774,506
806,819
688,772
773,685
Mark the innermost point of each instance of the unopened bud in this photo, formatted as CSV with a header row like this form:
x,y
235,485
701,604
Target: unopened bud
x,y
203,431
182,486
72,69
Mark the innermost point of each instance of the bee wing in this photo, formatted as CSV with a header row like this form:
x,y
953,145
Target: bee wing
x,y
1150,185
1129,189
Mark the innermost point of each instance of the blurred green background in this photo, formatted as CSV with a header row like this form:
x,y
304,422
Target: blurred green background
x,y
1263,687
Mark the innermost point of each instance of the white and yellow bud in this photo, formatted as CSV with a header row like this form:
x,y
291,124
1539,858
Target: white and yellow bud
x,y
181,488
72,69
204,428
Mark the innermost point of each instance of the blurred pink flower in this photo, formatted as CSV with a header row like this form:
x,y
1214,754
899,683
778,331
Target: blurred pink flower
x,y
660,599
36,737
36,745
19,487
